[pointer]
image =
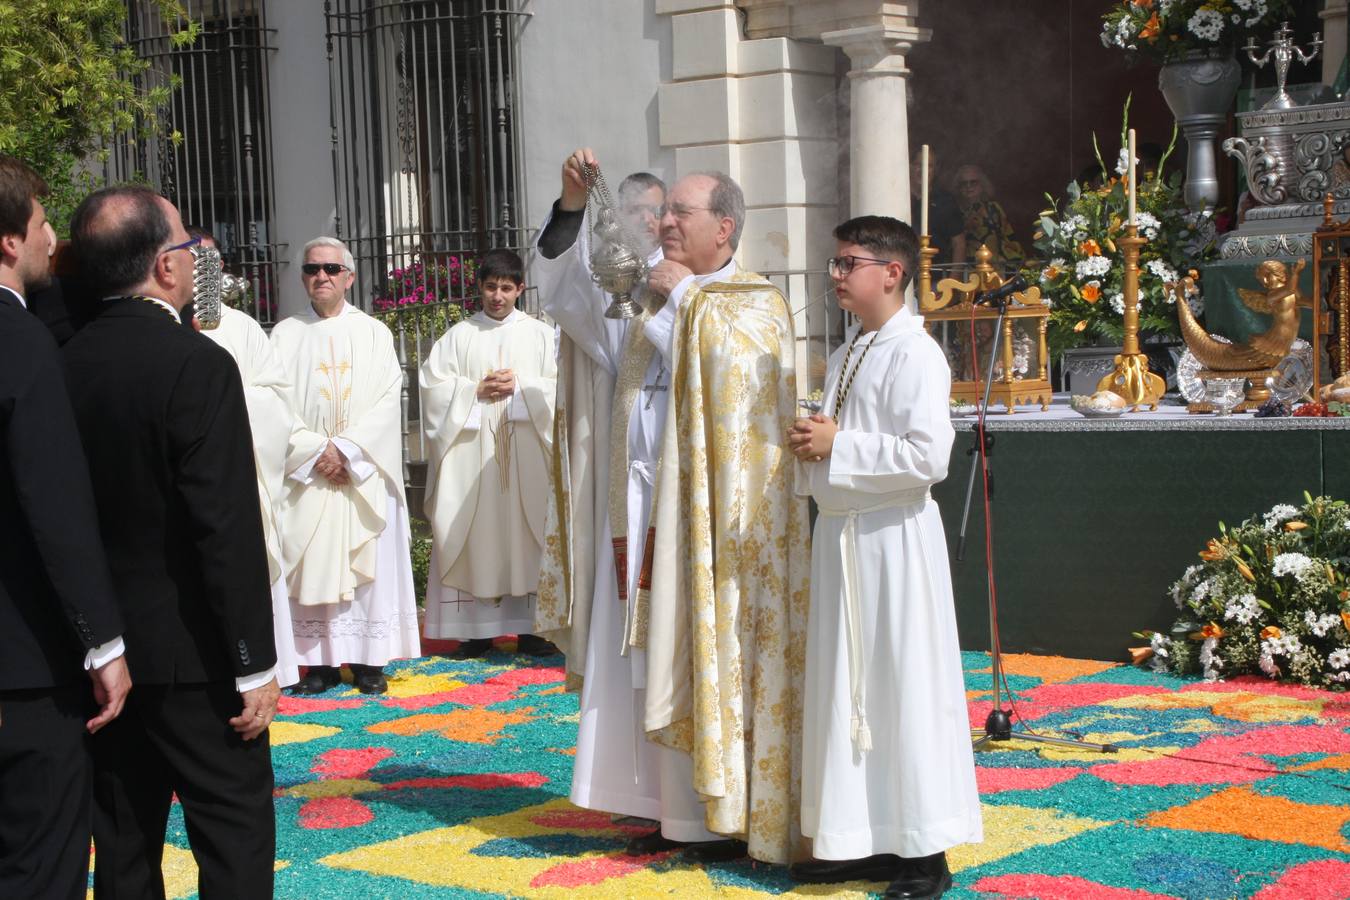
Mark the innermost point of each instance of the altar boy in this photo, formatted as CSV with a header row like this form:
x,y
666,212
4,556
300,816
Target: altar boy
x,y
888,776
487,404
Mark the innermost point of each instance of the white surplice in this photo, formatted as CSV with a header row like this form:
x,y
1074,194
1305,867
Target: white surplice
x,y
616,768
883,665
266,390
487,531
346,547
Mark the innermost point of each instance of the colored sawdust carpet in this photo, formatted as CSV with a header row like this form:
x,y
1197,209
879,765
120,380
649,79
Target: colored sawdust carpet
x,y
454,784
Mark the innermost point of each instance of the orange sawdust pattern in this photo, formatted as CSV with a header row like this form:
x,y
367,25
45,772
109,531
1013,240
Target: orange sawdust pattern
x,y
474,726
1050,669
1241,811
1339,761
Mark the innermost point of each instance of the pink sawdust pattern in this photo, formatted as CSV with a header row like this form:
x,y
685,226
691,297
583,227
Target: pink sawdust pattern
x,y
1060,887
588,872
1325,879
342,763
334,812
993,780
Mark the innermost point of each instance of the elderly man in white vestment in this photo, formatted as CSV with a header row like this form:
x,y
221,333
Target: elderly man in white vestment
x,y
888,777
344,516
266,393
487,392
613,390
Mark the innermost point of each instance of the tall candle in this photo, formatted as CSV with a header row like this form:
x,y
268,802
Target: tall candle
x,y
923,180
1130,150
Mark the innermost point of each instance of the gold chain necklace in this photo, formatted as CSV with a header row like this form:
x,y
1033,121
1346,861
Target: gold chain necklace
x,y
848,376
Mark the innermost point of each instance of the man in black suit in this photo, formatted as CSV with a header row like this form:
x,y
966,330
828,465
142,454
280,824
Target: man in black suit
x,y
58,614
161,412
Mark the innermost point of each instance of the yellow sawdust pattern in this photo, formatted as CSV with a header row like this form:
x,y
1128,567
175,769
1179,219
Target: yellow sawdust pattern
x,y
282,731
1012,829
475,726
332,787
1241,706
417,685
1242,811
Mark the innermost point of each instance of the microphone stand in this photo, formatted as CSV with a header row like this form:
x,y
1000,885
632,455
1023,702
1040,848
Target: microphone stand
x,y
998,724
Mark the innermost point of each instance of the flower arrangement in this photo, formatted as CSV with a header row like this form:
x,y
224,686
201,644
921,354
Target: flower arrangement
x,y
1167,29
1083,279
1270,596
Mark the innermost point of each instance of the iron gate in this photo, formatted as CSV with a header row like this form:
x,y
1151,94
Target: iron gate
x,y
219,169
426,162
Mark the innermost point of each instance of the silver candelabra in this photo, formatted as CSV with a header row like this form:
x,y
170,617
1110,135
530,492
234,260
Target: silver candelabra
x,y
1284,50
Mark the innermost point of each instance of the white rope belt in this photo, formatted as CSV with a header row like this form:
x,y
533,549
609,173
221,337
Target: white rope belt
x,y
859,732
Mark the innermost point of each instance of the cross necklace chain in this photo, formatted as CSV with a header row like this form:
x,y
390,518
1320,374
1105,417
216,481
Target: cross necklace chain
x,y
846,376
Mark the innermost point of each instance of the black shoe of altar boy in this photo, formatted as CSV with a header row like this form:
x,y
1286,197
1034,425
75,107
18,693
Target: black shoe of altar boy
x,y
474,648
881,867
922,878
714,851
318,679
369,679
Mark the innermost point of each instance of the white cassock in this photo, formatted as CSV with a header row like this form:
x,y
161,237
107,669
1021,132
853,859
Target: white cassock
x,y
488,528
266,392
617,770
882,655
347,547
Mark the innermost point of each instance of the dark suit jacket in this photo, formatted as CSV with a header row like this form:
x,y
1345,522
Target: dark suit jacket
x,y
161,412
56,599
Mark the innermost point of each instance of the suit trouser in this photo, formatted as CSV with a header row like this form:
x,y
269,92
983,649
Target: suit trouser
x,y
176,739
44,792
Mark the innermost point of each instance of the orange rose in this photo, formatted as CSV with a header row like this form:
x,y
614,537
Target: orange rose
x,y
1091,293
1151,27
1209,631
1090,248
1271,631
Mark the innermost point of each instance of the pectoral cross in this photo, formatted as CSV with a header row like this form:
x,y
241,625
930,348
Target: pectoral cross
x,y
651,389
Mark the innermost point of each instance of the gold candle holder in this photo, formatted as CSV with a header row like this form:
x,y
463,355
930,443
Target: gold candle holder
x,y
1131,378
927,300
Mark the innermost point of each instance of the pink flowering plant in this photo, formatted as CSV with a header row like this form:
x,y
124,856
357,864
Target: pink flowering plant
x,y
427,296
1270,596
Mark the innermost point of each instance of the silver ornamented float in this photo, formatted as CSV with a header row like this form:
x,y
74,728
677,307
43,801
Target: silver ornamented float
x,y
213,287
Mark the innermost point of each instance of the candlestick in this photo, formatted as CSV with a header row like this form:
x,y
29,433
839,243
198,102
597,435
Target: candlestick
x,y
923,179
1131,177
1131,378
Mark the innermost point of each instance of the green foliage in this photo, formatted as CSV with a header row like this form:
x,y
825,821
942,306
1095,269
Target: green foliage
x,y
1271,596
421,559
71,82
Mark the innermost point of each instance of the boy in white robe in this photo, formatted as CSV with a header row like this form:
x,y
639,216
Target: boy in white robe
x,y
888,774
487,391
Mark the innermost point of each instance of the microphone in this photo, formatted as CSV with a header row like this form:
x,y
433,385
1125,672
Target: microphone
x,y
1010,287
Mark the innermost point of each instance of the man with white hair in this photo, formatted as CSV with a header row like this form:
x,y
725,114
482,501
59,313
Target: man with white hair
x,y
344,515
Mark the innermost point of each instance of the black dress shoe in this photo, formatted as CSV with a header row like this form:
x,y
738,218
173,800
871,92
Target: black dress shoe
x,y
651,842
318,679
714,851
921,878
472,649
881,867
534,645
370,679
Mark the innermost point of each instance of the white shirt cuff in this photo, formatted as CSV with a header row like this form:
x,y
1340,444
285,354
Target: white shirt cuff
x,y
358,466
256,680
305,473
100,656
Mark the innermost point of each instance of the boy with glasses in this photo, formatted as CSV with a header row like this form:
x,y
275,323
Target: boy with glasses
x,y
888,775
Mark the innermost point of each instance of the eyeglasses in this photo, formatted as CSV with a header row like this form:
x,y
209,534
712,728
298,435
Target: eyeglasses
x,y
843,266
655,212
684,212
186,245
329,269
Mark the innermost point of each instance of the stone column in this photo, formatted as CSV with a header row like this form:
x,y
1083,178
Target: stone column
x,y
1334,34
879,129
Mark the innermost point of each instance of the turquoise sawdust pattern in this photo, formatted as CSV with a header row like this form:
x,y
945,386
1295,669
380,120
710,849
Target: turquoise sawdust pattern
x,y
455,785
